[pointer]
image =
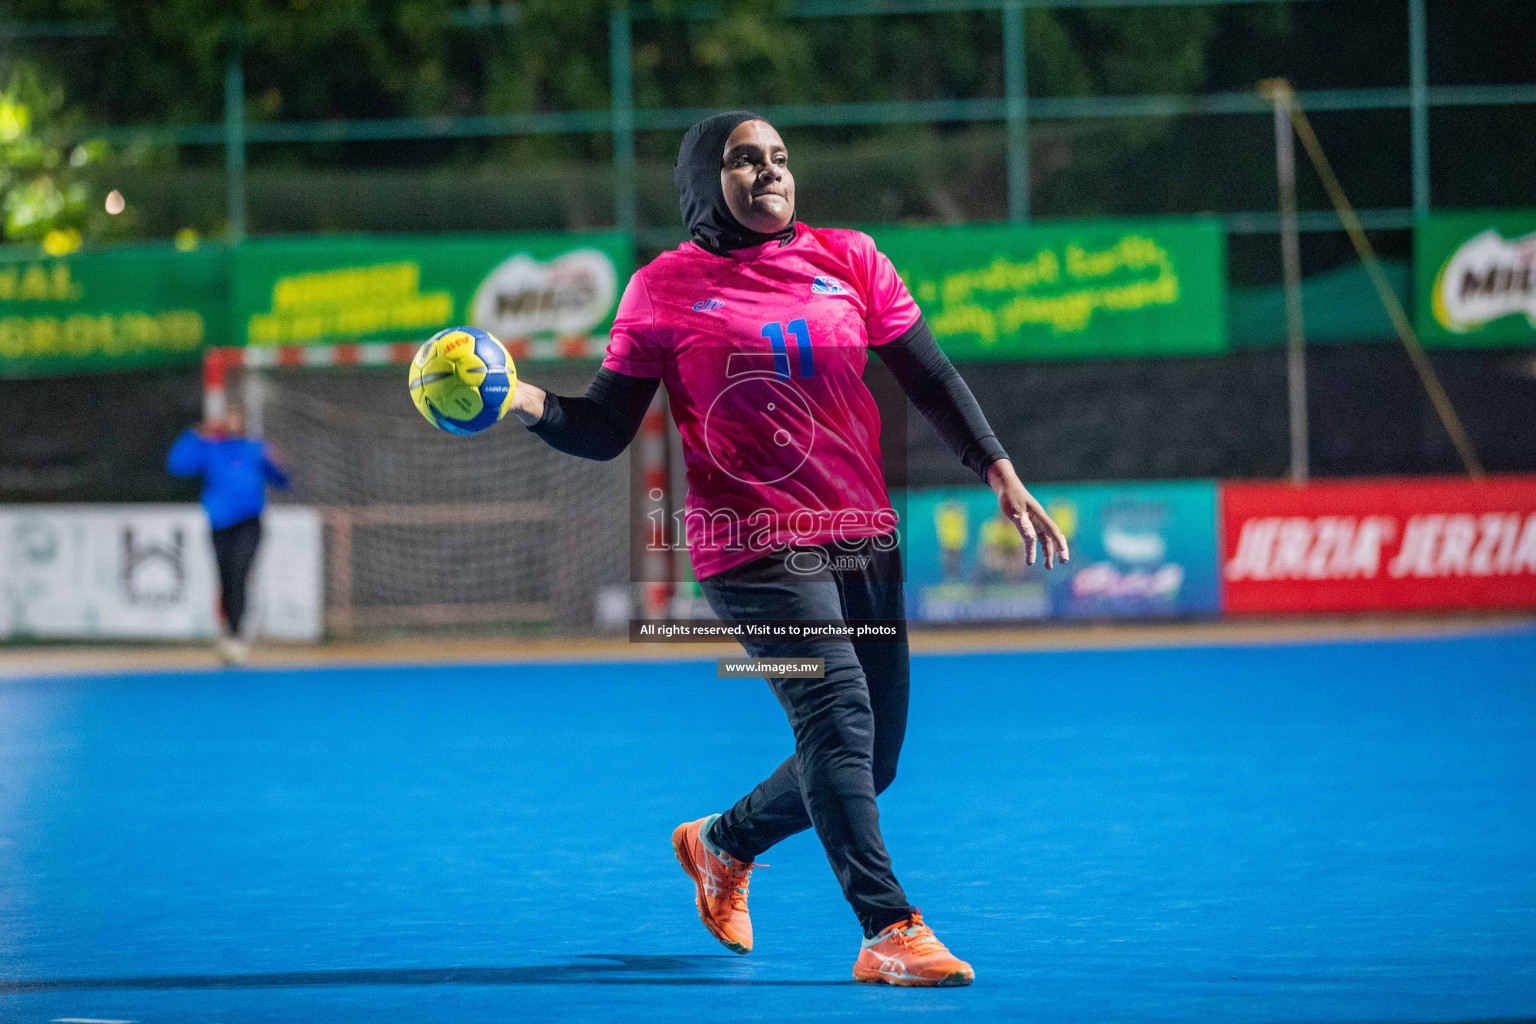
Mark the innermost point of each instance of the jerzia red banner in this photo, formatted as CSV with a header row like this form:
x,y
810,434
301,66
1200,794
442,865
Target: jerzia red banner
x,y
1379,545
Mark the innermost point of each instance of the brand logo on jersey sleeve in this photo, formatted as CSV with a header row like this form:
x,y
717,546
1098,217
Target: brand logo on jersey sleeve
x,y
827,286
705,305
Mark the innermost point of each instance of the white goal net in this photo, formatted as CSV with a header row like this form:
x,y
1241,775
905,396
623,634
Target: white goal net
x,y
429,531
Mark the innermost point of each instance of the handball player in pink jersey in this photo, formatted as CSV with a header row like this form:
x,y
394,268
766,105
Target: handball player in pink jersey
x,y
761,327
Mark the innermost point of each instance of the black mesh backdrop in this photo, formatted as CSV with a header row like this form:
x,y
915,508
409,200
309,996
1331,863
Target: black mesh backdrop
x,y
1222,416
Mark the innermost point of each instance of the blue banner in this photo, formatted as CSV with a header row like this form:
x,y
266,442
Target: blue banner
x,y
1139,550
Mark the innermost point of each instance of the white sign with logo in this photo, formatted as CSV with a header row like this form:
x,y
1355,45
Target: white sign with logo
x,y
1488,278
147,572
567,296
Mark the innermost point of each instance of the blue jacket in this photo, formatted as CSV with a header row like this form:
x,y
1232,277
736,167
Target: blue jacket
x,y
235,474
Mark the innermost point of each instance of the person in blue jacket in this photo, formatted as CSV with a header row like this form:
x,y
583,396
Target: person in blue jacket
x,y
235,470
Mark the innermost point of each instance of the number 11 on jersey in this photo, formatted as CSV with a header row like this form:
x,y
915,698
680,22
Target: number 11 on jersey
x,y
774,332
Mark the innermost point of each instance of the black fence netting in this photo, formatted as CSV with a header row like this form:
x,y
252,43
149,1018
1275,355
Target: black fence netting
x,y
104,438
1226,416
96,437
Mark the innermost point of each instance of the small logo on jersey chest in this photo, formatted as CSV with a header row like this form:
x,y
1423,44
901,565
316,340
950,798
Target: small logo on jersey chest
x,y
705,305
827,286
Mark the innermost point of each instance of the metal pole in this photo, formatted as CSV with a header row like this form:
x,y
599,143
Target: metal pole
x,y
1418,88
1290,250
234,138
657,567
622,90
1016,94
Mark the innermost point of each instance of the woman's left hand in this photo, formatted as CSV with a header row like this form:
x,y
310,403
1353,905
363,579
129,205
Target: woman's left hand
x,y
1019,507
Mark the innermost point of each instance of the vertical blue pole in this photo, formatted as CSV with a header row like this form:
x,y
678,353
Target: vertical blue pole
x,y
1017,104
234,136
620,73
1418,87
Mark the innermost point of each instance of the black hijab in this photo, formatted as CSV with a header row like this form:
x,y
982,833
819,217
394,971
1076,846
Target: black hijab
x,y
697,177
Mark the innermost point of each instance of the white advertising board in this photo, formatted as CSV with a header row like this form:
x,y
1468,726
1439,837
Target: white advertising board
x,y
147,572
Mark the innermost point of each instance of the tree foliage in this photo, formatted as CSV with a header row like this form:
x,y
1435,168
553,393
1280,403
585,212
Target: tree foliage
x,y
305,59
163,63
46,194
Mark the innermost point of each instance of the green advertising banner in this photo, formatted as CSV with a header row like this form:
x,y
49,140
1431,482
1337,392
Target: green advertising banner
x,y
137,305
1475,277
524,289
1094,288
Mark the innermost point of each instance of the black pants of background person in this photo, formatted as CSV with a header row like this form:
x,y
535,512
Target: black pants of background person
x,y
848,726
234,548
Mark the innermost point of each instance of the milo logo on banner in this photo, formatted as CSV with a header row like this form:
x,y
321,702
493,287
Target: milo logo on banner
x,y
1474,280
1486,279
521,288
567,296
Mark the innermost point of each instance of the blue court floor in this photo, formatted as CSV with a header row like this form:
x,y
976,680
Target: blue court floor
x,y
1342,832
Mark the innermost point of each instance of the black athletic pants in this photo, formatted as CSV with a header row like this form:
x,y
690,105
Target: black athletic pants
x,y
848,726
234,547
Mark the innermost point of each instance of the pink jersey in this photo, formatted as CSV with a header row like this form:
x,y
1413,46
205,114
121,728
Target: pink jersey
x,y
763,357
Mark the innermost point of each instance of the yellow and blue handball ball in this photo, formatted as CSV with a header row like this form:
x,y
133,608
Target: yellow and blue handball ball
x,y
462,380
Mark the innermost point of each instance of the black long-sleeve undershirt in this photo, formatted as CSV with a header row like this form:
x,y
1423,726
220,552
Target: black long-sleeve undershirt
x,y
940,394
601,424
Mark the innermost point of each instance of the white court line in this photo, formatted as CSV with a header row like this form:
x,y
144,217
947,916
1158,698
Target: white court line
x,y
89,1020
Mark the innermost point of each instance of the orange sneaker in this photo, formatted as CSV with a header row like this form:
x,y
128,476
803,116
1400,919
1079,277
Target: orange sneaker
x,y
908,953
720,883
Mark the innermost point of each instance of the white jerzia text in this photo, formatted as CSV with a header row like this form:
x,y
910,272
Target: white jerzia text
x,y
1347,547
